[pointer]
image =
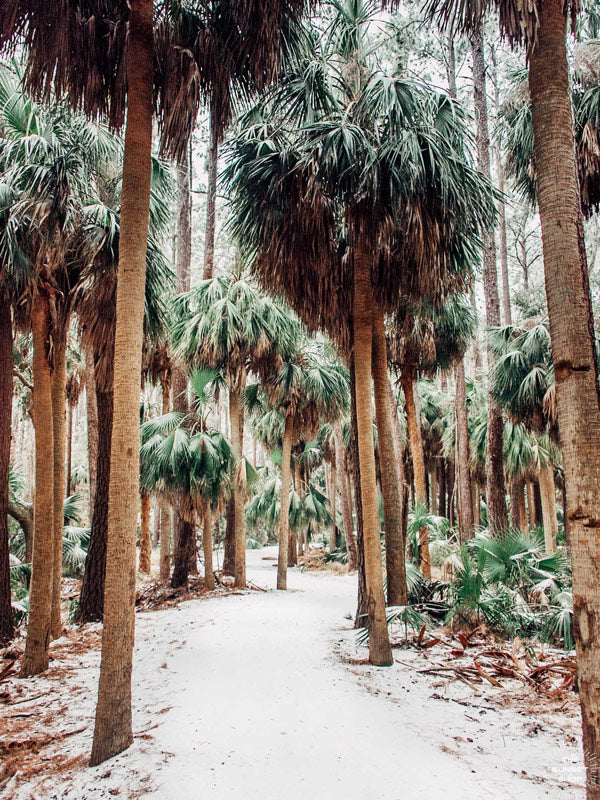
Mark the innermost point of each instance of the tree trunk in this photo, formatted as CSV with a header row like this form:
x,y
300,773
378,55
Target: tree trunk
x,y
184,537
344,486
530,503
229,544
35,657
516,488
235,415
548,492
166,525
211,199
537,505
91,600
59,410
413,423
284,502
442,510
69,448
573,350
166,534
293,548
156,525
6,394
380,652
207,547
333,505
476,503
465,503
522,509
92,424
145,547
495,491
113,731
361,605
388,464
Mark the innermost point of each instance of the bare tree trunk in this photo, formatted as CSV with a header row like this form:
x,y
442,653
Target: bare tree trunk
x,y
113,730
413,423
530,503
59,403
380,652
229,546
388,465
516,488
35,657
235,414
145,547
495,490
465,504
6,394
284,518
476,503
166,533
361,605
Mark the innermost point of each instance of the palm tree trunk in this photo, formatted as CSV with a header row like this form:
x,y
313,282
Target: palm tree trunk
x,y
166,533
442,505
6,395
35,658
92,424
211,199
344,486
300,491
91,600
69,448
113,731
184,539
145,547
495,490
166,526
59,409
573,350
522,509
333,505
548,492
380,652
207,548
413,423
476,503
361,617
284,518
235,413
156,524
229,544
388,464
465,503
516,488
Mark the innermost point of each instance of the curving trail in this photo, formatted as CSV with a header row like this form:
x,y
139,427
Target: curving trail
x,y
248,697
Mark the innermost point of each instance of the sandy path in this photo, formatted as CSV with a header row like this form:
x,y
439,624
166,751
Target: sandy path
x,y
257,704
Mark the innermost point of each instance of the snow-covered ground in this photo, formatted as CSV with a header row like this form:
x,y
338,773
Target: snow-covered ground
x,y
252,696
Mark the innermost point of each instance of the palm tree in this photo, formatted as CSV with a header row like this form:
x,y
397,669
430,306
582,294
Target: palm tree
x,y
191,466
523,383
227,324
95,303
338,192
307,389
43,161
542,27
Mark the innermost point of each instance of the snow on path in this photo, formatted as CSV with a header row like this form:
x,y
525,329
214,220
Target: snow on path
x,y
253,701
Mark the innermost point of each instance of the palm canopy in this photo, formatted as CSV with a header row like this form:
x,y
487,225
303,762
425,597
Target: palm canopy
x,y
50,160
522,380
432,337
386,169
307,510
79,49
516,133
229,324
182,459
309,387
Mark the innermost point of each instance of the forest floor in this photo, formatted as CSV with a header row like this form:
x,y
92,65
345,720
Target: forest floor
x,y
264,695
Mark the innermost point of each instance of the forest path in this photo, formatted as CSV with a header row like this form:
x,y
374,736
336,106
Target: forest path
x,y
262,707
